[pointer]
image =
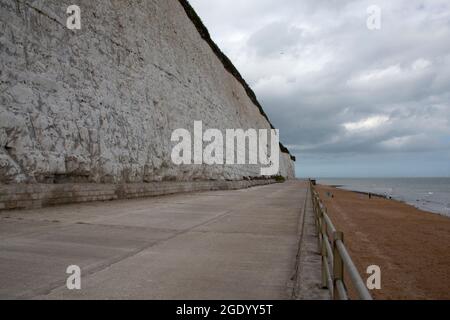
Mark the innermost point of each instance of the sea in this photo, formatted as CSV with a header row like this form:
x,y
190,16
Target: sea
x,y
429,194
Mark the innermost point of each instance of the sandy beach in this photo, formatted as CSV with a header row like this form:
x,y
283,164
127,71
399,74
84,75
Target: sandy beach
x,y
412,247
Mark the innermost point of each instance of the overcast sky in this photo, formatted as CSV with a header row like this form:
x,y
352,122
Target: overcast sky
x,y
349,101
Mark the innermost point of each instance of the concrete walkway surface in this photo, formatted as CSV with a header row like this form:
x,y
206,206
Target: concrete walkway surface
x,y
241,244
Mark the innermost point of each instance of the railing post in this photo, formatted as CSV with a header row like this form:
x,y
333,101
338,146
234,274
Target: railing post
x,y
338,265
323,224
324,272
323,249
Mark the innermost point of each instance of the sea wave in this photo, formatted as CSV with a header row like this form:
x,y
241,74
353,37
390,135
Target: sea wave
x,y
428,194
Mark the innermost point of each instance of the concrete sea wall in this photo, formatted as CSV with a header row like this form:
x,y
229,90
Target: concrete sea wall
x,y
97,106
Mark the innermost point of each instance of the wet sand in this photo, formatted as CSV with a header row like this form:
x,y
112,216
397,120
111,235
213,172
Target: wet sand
x,y
411,246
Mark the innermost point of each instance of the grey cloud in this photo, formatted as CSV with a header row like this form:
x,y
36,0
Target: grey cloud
x,y
334,71
275,38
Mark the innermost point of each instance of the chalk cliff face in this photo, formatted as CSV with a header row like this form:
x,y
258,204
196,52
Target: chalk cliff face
x,y
100,104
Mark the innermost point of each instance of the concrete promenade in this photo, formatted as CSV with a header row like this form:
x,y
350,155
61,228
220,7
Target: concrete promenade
x,y
256,243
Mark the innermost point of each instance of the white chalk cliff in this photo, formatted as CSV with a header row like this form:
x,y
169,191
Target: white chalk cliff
x,y
98,105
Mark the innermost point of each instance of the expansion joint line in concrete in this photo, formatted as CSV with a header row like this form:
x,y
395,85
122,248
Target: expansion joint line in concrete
x,y
103,266
301,224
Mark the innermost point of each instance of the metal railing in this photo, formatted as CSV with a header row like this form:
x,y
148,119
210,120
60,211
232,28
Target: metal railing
x,y
335,258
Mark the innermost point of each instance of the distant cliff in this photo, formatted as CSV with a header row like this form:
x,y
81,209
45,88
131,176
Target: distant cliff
x,y
98,105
